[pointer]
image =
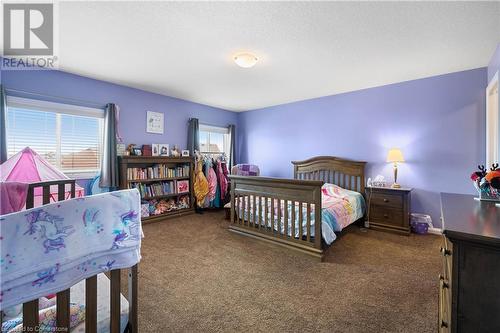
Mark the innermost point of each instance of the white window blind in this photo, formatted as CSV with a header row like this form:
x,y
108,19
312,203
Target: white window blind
x,y
70,137
214,140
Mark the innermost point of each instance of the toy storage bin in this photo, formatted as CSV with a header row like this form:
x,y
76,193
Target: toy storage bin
x,y
144,209
420,223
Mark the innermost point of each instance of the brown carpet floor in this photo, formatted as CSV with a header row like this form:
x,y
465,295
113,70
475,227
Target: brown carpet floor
x,y
196,276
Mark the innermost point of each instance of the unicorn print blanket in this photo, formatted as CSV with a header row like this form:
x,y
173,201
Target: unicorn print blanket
x,y
50,248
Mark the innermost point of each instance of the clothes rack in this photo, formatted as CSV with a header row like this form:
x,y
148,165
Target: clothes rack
x,y
211,181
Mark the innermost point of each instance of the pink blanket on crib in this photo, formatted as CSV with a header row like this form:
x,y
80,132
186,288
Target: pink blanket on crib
x,y
12,196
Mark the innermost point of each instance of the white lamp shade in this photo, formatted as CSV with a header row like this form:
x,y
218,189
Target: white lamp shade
x,y
395,155
245,60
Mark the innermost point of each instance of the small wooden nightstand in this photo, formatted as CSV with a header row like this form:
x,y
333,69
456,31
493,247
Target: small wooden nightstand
x,y
389,208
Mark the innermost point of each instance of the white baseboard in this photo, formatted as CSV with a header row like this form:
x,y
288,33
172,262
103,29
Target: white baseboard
x,y
435,231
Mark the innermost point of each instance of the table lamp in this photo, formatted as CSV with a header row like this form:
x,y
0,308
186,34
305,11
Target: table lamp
x,y
395,156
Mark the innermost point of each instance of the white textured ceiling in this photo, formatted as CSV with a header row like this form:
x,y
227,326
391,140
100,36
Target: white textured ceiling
x,y
306,49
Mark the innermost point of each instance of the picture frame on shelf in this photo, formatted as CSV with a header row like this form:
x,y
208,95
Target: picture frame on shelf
x,y
185,153
147,150
175,152
120,149
137,152
164,149
155,149
182,186
155,122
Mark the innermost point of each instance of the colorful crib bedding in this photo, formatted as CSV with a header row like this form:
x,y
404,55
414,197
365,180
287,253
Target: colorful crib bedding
x,y
12,322
340,208
50,248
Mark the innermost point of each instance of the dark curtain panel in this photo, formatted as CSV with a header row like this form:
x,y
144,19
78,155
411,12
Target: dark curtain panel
x,y
232,147
109,164
3,119
193,136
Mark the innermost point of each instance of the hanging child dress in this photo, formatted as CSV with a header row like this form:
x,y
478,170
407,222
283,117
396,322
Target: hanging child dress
x,y
206,202
222,180
212,183
217,203
200,185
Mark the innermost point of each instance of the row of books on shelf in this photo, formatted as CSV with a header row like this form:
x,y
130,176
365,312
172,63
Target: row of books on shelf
x,y
162,188
158,171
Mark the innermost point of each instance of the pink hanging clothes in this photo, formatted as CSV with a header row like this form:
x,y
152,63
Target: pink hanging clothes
x,y
222,179
212,183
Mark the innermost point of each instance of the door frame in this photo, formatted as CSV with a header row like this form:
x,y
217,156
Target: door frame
x,y
492,122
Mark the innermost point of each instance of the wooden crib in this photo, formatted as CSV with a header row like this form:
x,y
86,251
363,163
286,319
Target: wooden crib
x,y
304,190
30,309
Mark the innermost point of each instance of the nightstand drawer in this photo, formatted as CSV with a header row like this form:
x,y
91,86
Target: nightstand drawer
x,y
385,215
387,200
389,209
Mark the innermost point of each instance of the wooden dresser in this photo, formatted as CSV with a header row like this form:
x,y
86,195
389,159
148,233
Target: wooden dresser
x,y
469,285
389,208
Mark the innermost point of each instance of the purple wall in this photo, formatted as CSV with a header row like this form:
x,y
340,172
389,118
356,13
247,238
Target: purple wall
x,y
494,65
438,122
133,104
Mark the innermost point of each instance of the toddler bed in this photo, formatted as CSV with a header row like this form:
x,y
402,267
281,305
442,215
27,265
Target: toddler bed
x,y
71,244
285,211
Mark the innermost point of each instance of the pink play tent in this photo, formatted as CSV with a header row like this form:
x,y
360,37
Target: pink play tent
x,y
29,167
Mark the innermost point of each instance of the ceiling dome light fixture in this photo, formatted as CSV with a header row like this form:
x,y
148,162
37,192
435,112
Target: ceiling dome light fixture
x,y
245,60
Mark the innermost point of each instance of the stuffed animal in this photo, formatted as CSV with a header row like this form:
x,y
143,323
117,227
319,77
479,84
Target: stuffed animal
x,y
162,207
170,204
152,206
130,148
487,182
183,202
478,175
493,177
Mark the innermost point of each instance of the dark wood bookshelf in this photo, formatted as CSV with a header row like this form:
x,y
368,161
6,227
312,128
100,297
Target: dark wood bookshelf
x,y
126,162
171,214
166,195
152,180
